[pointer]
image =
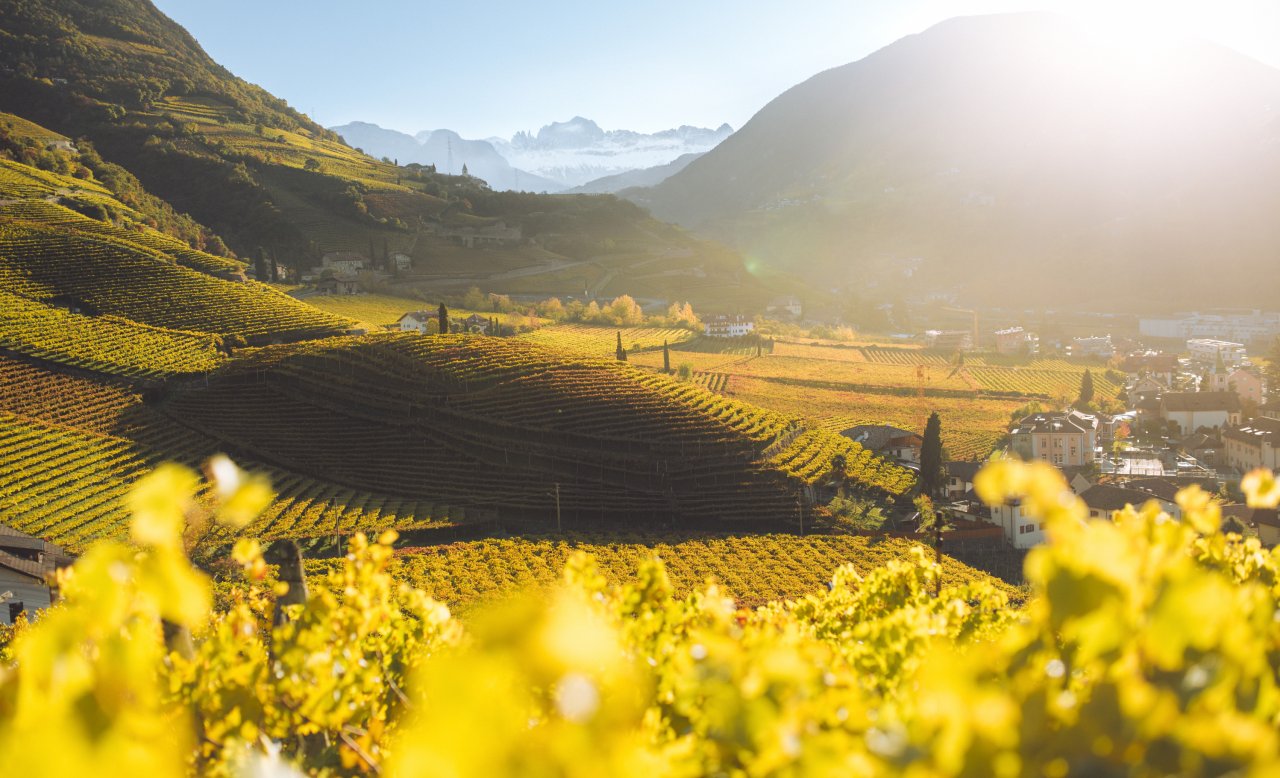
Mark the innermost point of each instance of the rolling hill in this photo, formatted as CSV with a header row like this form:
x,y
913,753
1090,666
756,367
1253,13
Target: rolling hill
x,y
227,167
1009,153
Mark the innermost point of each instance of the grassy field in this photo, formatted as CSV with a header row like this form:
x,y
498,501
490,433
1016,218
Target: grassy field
x,y
751,568
970,427
593,340
379,310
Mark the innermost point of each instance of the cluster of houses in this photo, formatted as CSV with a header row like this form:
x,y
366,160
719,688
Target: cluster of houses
x,y
342,272
428,322
1204,418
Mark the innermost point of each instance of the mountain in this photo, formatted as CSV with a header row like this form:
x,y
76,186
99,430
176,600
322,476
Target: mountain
x,y
448,152
1017,153
650,176
578,151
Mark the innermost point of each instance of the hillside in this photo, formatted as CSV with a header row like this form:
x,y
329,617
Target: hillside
x,y
492,425
1008,153
222,161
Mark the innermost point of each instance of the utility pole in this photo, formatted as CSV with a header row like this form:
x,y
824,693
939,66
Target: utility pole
x,y
937,554
558,530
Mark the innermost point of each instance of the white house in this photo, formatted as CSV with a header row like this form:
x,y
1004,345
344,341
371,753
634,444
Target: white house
x,y
400,262
1193,410
785,306
1253,444
1105,499
1019,529
728,326
419,321
1062,438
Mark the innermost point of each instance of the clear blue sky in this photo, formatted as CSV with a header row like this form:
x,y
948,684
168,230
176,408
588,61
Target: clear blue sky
x,y
492,68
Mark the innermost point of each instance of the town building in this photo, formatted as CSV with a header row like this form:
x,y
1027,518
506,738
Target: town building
x,y
1062,438
948,340
1210,352
1015,341
26,566
1020,530
960,477
887,441
722,326
1243,326
1253,444
1247,384
1099,346
399,261
1104,499
1160,367
1192,411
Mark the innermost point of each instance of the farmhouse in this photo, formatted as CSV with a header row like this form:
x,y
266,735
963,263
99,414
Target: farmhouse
x,y
785,306
419,321
338,285
399,261
26,563
1195,410
496,234
887,441
728,326
476,323
343,262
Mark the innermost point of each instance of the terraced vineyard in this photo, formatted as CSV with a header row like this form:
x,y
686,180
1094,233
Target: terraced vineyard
x,y
105,344
70,447
751,568
495,424
111,275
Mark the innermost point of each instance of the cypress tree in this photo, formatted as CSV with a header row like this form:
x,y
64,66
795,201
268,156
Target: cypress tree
x,y
931,464
666,358
619,353
1086,387
444,319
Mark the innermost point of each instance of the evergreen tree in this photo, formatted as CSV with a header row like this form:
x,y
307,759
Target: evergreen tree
x,y
666,358
260,266
1086,387
619,353
444,319
932,473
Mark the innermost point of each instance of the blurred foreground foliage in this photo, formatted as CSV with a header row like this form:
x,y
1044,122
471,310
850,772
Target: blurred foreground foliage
x,y
1150,647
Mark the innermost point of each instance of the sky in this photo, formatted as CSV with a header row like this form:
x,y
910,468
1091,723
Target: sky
x,y
491,68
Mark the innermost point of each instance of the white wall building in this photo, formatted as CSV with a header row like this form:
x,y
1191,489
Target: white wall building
x,y
1019,529
419,321
1244,326
728,326
1099,346
1207,351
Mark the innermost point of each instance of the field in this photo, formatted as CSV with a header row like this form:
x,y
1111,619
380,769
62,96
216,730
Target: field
x,y
594,340
379,310
970,427
752,569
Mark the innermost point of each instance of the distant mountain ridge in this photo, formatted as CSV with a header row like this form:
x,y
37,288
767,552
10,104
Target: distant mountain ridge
x,y
559,156
1012,159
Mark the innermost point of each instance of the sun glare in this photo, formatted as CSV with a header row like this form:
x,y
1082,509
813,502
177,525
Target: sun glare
x,y
1139,34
